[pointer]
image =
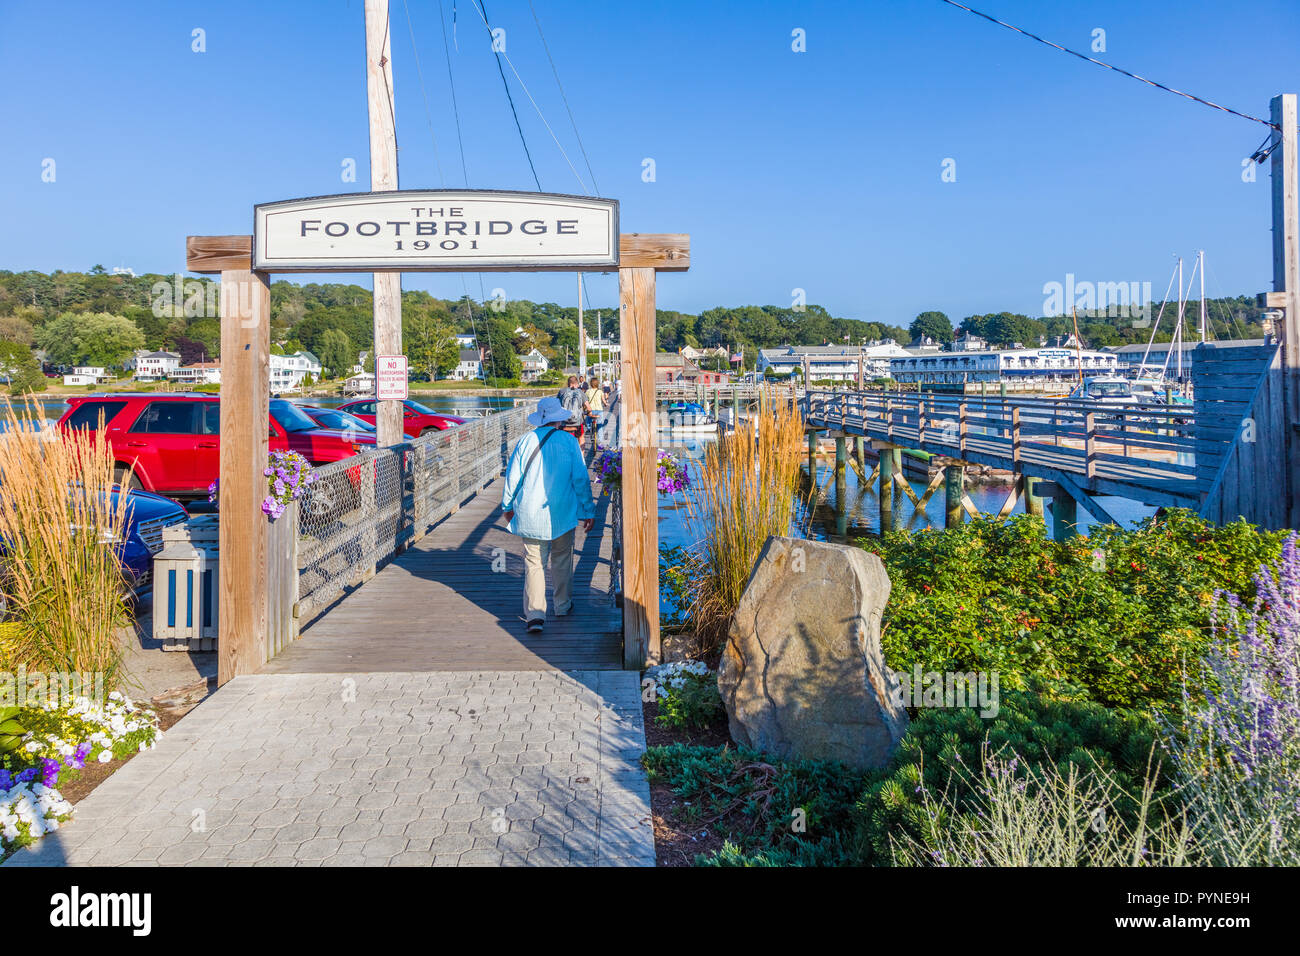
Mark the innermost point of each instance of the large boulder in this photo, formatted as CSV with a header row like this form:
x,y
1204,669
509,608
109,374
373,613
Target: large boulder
x,y
802,675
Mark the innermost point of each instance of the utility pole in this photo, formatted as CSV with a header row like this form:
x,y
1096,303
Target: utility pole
x,y
1285,180
582,338
383,178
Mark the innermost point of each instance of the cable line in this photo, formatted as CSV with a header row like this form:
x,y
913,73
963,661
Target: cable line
x,y
483,14
568,109
1082,56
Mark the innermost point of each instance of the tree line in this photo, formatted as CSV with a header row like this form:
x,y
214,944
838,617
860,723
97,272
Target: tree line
x,y
101,318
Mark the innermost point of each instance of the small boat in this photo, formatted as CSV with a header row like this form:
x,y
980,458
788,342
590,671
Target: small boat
x,y
1106,389
687,417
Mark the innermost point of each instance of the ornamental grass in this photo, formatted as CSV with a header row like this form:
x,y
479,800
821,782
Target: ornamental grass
x,y
746,492
59,573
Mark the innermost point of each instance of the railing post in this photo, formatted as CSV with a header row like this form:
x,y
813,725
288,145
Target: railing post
x,y
1089,444
961,427
920,421
1015,435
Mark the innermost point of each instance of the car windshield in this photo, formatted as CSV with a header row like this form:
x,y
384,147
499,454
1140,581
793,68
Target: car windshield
x,y
290,417
333,418
420,409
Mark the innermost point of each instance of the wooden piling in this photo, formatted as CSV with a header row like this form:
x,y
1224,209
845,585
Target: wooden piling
x,y
1065,516
954,488
1033,500
886,489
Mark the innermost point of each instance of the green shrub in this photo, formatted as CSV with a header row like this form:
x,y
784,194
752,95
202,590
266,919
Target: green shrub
x,y
687,694
1112,617
944,750
774,812
501,382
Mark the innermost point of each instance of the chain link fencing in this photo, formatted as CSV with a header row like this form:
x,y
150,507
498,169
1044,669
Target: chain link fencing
x,y
363,511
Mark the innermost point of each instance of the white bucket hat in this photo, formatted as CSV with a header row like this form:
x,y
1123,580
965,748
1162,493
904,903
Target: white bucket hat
x,y
549,412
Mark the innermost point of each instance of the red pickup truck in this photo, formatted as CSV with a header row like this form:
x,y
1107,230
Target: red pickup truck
x,y
173,440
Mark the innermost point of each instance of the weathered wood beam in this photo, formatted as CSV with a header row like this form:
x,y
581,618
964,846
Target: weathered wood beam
x,y
211,254
663,252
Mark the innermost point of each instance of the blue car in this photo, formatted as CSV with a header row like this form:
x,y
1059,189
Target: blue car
x,y
146,516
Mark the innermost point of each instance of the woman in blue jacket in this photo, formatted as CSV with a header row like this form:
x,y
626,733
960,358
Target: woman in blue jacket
x,y
547,492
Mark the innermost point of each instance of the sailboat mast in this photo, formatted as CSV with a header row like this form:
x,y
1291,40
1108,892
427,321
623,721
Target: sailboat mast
x,y
1178,332
1201,264
1078,346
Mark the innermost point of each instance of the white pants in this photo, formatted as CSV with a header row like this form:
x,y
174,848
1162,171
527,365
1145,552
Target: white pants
x,y
559,553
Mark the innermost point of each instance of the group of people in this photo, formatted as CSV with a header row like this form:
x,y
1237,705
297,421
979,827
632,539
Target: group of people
x,y
548,491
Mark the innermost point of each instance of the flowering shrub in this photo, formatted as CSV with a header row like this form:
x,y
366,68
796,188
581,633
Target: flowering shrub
x,y
27,812
673,476
687,693
1112,617
1238,749
288,475
58,742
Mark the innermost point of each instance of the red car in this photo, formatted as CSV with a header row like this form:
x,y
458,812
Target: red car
x,y
417,419
173,441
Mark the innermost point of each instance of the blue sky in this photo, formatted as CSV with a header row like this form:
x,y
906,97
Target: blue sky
x,y
818,170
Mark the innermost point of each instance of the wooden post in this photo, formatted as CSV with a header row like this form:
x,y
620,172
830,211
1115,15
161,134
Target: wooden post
x,y
243,530
1015,435
383,178
1284,174
953,491
886,488
1065,515
812,455
841,487
636,288
1090,444
1033,500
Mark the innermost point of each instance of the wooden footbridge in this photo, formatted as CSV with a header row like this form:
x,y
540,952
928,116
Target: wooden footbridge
x,y
1214,457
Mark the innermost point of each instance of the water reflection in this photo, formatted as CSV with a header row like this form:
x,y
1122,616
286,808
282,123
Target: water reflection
x,y
848,509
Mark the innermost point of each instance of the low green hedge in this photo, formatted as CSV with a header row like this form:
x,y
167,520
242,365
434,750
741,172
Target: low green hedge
x,y
1110,617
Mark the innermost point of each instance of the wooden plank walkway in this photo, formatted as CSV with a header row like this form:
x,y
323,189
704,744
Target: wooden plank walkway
x,y
441,606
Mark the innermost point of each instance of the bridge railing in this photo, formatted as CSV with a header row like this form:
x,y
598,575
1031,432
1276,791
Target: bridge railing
x,y
363,511
1151,442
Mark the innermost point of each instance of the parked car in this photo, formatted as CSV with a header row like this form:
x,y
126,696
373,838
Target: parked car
x,y
172,440
337,418
147,515
417,419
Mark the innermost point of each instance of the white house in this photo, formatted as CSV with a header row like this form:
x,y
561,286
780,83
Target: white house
x,y
832,362
200,373
153,366
288,371
469,367
87,375
363,383
1044,364
535,365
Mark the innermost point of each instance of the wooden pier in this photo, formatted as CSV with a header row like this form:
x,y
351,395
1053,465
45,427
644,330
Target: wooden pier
x,y
1212,457
452,602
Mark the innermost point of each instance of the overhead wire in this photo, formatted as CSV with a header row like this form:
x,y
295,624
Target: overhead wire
x,y
578,136
501,54
1109,66
513,112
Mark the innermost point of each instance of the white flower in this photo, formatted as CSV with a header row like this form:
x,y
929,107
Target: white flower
x,y
105,756
33,746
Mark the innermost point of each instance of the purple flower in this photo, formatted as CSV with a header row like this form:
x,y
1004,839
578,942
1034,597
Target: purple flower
x,y
50,771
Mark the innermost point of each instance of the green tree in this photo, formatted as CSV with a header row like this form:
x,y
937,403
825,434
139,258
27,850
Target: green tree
x,y
89,338
934,324
19,366
429,341
336,352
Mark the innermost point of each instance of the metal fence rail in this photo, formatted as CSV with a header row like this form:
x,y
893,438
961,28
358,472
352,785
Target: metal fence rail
x,y
365,510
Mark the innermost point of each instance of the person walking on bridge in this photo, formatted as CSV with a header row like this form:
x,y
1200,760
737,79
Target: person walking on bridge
x,y
547,494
